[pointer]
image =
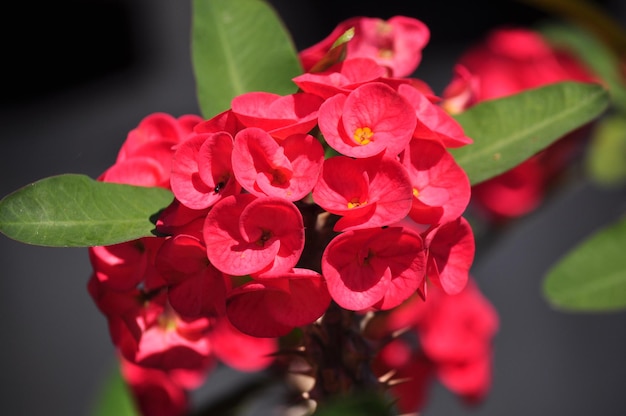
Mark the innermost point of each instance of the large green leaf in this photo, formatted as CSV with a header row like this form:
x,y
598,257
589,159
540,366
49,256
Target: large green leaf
x,y
592,277
509,130
76,211
240,46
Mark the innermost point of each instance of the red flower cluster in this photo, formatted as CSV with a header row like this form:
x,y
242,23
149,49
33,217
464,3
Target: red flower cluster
x,y
512,60
453,335
344,191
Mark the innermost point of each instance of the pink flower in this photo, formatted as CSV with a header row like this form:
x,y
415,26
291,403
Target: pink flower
x,y
157,129
509,61
241,351
374,268
455,335
441,189
367,193
196,288
451,250
145,157
247,235
274,306
371,119
433,123
202,172
287,170
342,77
396,43
280,116
155,392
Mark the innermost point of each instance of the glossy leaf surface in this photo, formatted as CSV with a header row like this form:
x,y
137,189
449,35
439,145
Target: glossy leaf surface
x,y
76,211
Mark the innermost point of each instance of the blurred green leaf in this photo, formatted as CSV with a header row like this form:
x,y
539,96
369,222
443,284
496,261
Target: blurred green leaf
x,y
76,211
509,130
598,57
115,398
591,277
239,46
357,404
605,158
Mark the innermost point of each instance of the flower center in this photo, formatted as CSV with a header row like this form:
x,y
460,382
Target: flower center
x,y
363,135
416,193
354,203
265,236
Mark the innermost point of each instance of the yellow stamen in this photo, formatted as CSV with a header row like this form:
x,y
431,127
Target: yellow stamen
x,y
385,53
355,203
416,192
363,135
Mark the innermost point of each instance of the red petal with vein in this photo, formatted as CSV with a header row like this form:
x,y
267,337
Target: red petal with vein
x,y
268,220
120,266
245,234
377,268
241,351
288,170
451,253
376,108
443,189
225,121
201,294
342,77
281,116
273,307
180,256
433,123
202,171
370,192
139,171
157,128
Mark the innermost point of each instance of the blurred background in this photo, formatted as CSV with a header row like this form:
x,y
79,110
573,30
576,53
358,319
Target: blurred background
x,y
80,74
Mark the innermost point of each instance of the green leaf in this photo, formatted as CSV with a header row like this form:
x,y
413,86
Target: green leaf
x,y
592,277
240,46
356,404
509,130
605,159
115,398
597,56
76,211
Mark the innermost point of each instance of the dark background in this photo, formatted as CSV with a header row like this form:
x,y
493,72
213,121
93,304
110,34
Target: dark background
x,y
78,75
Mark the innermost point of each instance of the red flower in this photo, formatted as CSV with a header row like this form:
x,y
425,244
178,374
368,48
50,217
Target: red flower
x,y
451,250
455,335
280,116
342,77
441,189
196,288
371,119
145,157
374,268
155,392
287,170
396,43
238,350
368,192
509,61
274,306
249,235
433,123
202,173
